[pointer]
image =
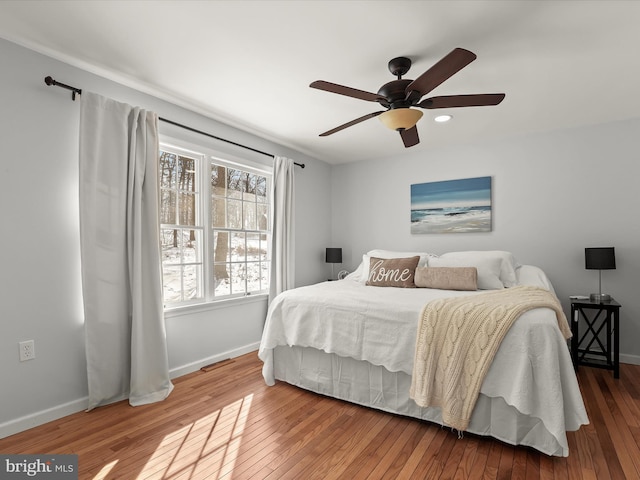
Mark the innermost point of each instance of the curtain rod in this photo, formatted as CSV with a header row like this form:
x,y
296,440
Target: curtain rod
x,y
76,91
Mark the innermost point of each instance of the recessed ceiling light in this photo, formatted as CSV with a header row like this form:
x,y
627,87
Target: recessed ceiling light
x,y
443,118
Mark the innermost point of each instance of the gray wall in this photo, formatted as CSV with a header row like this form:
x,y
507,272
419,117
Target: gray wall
x,y
40,292
553,195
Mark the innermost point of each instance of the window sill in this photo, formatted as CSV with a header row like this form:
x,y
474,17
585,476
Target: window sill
x,y
171,312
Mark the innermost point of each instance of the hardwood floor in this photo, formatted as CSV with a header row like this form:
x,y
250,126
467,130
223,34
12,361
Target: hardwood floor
x,y
227,424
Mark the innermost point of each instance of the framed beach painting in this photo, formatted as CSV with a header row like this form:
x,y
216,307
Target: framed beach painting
x,y
451,206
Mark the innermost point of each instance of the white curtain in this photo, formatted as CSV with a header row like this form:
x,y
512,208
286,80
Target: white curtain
x,y
282,234
120,251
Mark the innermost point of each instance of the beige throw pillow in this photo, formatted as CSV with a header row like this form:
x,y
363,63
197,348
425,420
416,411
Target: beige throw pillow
x,y
392,272
447,278
488,269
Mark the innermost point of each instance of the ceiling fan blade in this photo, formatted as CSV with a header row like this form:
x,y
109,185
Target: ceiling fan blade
x,y
452,63
452,101
351,123
347,91
410,137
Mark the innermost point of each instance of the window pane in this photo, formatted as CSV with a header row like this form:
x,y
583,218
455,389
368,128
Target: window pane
x,y
191,282
186,175
221,279
250,193
218,212
168,166
221,252
235,183
253,276
187,209
264,247
249,197
172,284
238,247
253,246
264,275
180,245
170,241
218,180
191,246
234,214
168,206
238,277
261,189
249,215
262,217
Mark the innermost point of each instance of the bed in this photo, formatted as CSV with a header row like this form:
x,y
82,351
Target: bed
x,y
356,342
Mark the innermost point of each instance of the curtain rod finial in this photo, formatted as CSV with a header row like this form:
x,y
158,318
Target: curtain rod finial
x,y
49,81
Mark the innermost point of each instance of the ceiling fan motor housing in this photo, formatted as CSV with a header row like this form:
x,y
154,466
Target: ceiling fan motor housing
x,y
395,94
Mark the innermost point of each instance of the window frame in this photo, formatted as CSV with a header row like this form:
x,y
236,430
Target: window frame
x,y
206,156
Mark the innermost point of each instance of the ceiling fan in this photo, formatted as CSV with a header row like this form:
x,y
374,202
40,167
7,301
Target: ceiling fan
x,y
398,96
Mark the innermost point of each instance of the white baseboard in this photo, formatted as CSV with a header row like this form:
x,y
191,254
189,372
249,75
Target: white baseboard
x,y
39,418
194,366
632,359
54,413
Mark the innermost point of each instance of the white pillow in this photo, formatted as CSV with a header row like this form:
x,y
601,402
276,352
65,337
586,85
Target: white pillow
x,y
488,269
508,263
356,274
394,254
532,275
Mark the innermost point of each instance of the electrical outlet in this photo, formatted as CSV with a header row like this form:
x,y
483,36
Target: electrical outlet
x,y
27,350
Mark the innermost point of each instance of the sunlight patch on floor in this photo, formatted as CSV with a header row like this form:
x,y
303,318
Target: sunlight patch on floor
x,y
104,471
207,447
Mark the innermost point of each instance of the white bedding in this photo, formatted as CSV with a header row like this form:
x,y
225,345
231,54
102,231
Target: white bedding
x,y
532,370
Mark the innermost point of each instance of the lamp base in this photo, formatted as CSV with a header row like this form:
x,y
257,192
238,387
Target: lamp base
x,y
599,297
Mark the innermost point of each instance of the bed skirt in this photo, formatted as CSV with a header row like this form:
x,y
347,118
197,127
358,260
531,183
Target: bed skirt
x,y
374,386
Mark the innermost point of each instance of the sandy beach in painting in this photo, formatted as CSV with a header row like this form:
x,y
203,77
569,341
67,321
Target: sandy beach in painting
x,y
475,219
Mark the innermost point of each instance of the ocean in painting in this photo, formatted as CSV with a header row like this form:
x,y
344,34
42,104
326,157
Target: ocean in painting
x,y
452,206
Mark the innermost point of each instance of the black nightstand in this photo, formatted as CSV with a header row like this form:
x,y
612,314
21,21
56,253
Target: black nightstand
x,y
601,320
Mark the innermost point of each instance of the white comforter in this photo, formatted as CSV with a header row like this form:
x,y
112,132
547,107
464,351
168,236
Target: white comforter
x,y
532,369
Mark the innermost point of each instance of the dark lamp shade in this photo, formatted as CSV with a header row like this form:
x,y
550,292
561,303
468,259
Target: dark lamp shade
x,y
333,255
600,258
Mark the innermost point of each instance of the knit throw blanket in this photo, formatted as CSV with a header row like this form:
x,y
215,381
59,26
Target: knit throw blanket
x,y
457,341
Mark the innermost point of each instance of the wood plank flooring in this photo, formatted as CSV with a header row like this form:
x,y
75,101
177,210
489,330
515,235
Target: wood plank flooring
x,y
227,424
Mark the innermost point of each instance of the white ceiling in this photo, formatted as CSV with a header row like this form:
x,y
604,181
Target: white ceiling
x,y
249,63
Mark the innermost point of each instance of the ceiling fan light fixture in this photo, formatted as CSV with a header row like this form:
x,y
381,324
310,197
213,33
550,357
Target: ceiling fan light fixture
x,y
400,118
442,118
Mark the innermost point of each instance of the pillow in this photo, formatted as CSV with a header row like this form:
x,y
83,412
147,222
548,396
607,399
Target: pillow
x,y
392,272
447,278
508,263
532,275
393,254
488,269
387,254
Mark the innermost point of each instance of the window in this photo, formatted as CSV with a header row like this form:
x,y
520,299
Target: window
x,y
214,216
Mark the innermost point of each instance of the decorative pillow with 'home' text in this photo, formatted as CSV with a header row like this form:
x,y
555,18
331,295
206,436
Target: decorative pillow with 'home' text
x,y
392,272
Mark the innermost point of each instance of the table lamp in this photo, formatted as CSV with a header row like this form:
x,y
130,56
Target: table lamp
x,y
600,258
333,255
